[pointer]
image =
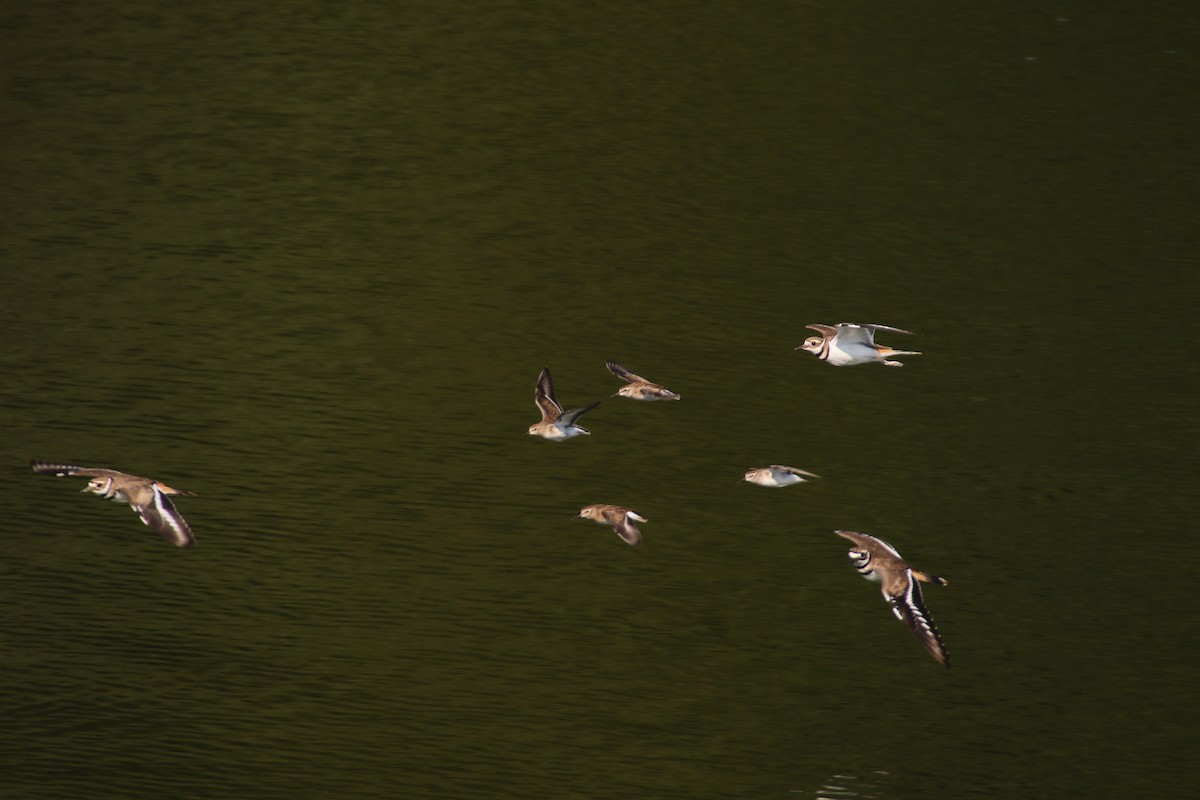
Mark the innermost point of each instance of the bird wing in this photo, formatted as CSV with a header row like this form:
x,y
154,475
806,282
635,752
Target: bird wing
x,y
909,607
794,471
161,517
828,331
874,544
569,417
887,329
621,372
62,470
629,533
623,525
543,396
853,333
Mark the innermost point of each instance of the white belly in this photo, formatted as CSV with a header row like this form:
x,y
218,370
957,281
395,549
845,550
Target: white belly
x,y
560,432
841,355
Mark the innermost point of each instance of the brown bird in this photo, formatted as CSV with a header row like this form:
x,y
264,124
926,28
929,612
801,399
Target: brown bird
x,y
146,496
876,560
636,387
556,424
620,518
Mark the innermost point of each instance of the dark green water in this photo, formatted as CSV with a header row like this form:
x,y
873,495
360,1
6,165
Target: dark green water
x,y
306,259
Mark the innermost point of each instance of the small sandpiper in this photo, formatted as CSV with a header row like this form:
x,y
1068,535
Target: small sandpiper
x,y
876,560
777,475
556,424
146,496
620,518
849,343
637,387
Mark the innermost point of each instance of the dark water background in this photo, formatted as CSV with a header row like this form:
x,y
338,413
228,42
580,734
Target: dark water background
x,y
306,259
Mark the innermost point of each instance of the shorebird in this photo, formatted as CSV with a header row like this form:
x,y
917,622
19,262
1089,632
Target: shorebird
x,y
876,560
620,518
556,424
637,387
849,343
146,496
777,475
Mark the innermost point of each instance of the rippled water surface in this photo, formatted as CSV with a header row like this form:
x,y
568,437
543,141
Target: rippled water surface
x,y
307,259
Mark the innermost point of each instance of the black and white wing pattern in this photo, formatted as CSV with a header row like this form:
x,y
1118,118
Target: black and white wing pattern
x,y
543,396
161,516
909,608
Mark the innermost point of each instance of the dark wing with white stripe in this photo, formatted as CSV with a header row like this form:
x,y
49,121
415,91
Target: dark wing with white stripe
x,y
624,526
543,396
624,374
162,518
909,607
62,470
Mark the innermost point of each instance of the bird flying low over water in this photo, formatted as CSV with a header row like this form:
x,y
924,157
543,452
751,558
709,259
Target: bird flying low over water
x,y
777,475
850,343
637,387
876,560
620,518
556,424
146,496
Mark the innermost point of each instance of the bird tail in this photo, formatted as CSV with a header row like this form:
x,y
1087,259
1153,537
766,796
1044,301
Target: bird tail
x,y
162,487
925,577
